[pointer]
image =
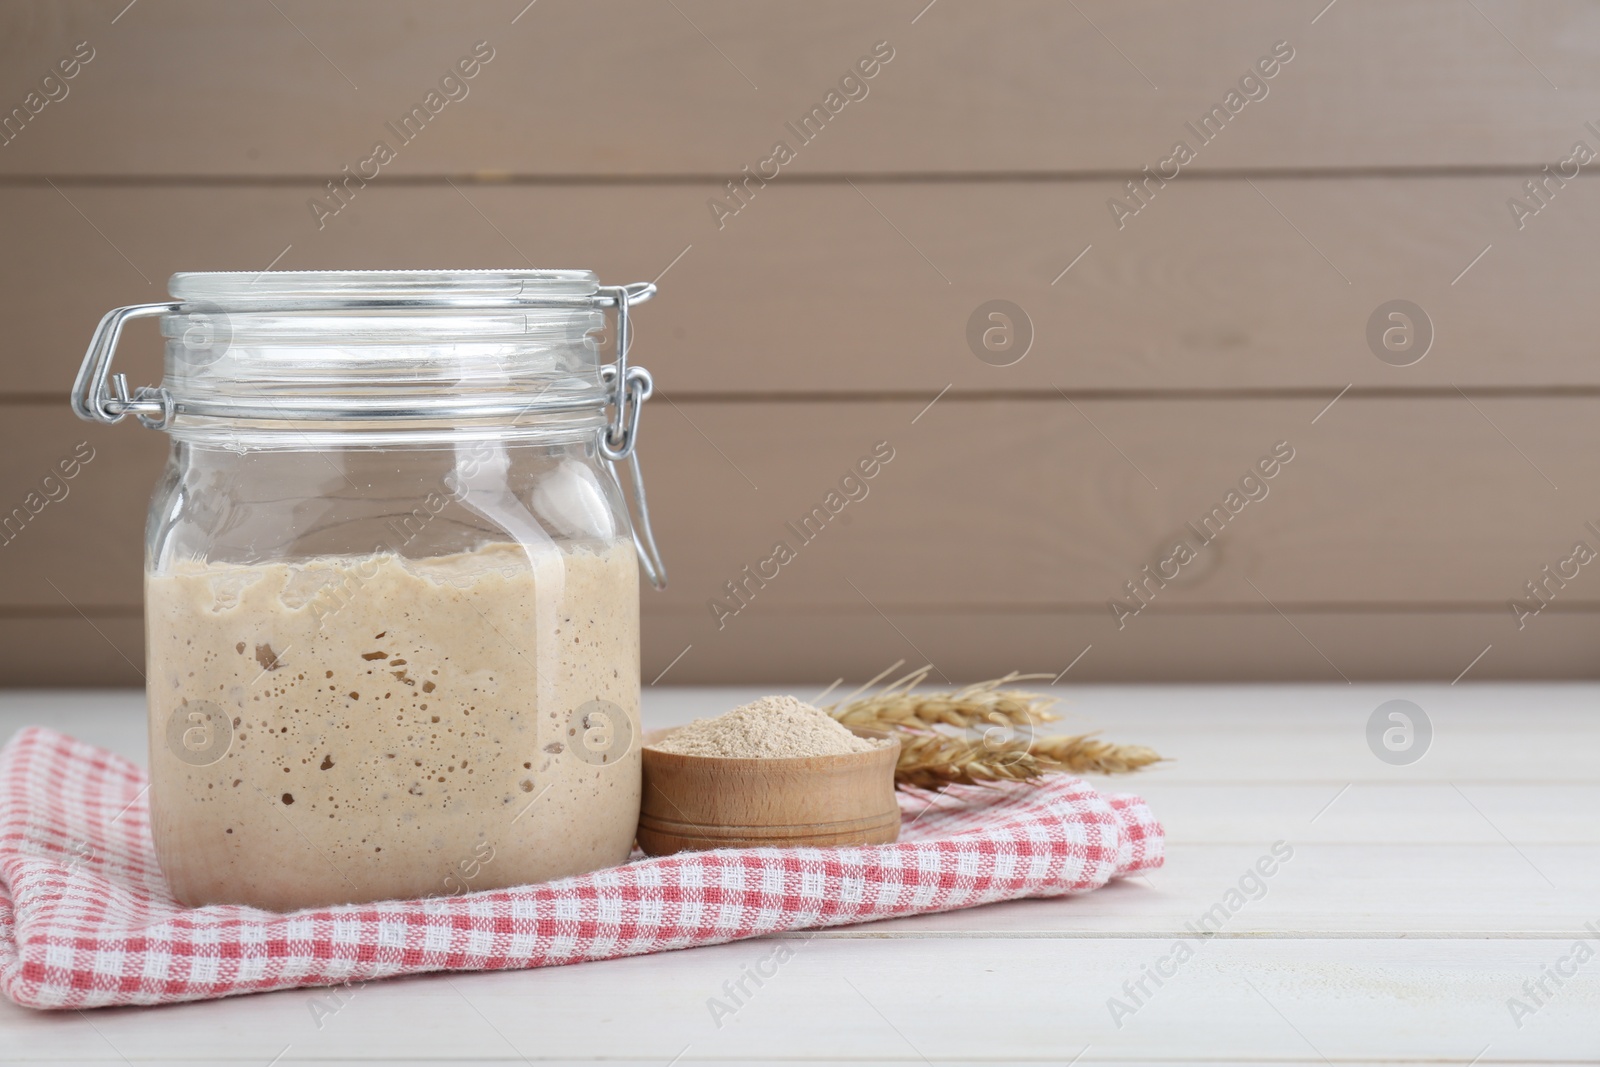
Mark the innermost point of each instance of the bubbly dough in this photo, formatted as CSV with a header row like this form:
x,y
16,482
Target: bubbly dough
x,y
396,728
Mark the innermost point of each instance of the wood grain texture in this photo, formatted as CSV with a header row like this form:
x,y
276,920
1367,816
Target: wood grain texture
x,y
64,647
1386,563
1031,505
1182,343
74,543
1326,891
1360,1000
1371,948
1391,643
1393,814
812,290
1219,735
696,802
629,87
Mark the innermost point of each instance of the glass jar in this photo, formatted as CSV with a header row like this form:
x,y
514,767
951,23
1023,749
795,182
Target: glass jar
x,y
391,586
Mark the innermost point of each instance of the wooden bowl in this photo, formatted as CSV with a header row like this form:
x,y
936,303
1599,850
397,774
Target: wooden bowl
x,y
704,802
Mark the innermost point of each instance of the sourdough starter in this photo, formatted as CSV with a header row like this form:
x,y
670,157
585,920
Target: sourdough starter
x,y
396,728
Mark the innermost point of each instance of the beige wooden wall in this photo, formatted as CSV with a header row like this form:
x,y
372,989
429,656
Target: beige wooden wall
x,y
827,315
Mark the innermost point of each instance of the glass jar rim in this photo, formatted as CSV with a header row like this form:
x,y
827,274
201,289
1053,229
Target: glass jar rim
x,y
289,290
385,345
390,346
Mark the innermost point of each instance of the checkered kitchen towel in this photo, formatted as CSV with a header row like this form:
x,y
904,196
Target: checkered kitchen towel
x,y
86,919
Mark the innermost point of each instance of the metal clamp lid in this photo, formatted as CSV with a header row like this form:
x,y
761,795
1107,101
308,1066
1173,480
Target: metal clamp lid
x,y
98,395
633,386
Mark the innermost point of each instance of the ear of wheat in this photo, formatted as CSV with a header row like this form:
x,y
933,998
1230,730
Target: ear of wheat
x,y
970,736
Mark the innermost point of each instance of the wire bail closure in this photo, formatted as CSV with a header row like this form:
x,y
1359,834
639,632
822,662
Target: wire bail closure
x,y
632,386
98,395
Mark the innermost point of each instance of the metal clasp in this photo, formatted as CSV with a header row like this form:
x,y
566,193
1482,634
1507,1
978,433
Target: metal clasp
x,y
100,397
631,386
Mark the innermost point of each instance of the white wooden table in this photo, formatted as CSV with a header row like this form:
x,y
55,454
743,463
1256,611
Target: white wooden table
x,y
1418,901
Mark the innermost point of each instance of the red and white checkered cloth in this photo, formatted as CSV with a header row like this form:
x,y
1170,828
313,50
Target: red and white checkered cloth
x,y
87,921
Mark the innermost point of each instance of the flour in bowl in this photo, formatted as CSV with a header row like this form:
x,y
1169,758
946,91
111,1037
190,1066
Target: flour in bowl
x,y
774,727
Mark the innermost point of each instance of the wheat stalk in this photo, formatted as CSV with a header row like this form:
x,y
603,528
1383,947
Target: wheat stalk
x,y
933,761
978,706
933,757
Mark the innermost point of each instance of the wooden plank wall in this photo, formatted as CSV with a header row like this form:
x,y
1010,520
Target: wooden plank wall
x,y
1173,348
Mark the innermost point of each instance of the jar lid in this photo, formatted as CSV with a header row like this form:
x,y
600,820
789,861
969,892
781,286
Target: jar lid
x,y
369,346
368,288
384,349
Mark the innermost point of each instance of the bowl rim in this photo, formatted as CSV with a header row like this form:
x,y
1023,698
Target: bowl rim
x,y
752,762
